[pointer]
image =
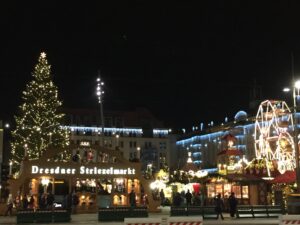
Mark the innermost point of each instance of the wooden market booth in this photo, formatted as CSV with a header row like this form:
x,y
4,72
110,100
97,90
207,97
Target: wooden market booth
x,y
249,189
99,177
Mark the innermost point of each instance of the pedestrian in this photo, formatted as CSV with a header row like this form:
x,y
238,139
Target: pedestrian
x,y
76,157
132,200
188,198
9,205
162,197
24,202
42,201
232,204
196,199
177,199
219,205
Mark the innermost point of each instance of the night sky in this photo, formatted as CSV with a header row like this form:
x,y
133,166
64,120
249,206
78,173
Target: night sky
x,y
186,62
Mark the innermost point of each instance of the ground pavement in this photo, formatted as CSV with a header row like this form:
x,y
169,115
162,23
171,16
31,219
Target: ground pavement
x,y
92,219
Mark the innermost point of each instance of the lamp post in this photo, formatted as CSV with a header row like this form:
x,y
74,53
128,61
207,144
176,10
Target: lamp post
x,y
296,93
100,93
296,89
10,168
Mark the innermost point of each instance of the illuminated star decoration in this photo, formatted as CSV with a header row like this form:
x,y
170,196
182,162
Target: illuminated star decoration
x,y
43,55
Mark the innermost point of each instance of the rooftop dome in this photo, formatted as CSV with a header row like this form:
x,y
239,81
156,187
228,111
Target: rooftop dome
x,y
240,116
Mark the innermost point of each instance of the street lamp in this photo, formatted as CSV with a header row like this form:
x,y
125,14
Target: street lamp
x,y
100,92
117,144
295,95
10,168
138,152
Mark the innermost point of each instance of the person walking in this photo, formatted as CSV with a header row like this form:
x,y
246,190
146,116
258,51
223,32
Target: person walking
x,y
24,202
188,198
232,204
219,205
132,200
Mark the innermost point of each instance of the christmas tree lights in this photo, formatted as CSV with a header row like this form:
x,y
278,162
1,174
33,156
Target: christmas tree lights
x,y
38,124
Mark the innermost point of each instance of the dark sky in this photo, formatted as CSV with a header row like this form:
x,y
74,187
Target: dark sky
x,y
186,62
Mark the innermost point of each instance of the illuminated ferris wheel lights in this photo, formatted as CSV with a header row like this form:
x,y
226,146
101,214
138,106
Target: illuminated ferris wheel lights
x,y
272,141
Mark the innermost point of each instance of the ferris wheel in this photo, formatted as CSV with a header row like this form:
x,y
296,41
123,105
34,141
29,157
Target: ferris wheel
x,y
273,141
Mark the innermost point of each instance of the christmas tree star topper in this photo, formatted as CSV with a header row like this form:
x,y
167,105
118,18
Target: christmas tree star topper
x,y
43,55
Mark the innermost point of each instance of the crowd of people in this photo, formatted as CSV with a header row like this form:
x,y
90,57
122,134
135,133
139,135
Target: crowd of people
x,y
195,199
46,200
188,198
24,202
43,201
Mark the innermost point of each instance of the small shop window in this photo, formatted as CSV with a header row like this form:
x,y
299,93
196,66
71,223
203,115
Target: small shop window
x,y
245,191
227,190
219,189
104,186
88,185
210,190
119,185
119,200
237,191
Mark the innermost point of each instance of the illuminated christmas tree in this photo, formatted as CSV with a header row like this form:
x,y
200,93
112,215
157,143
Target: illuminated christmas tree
x,y
38,125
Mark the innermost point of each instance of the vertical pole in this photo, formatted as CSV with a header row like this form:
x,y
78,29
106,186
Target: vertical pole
x,y
100,92
10,168
296,142
102,123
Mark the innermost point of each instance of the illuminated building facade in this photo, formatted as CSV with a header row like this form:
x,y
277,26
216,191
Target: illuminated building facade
x,y
137,135
206,144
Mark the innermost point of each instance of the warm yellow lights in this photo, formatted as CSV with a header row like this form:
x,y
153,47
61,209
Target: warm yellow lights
x,y
158,184
59,182
45,181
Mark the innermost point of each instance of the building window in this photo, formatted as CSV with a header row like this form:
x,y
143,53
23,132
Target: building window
x,y
148,144
162,145
121,144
